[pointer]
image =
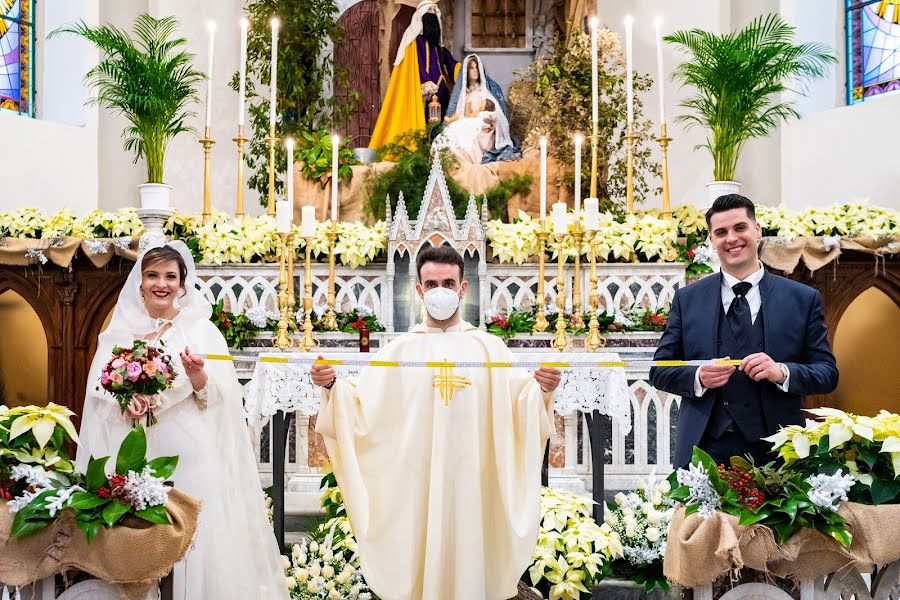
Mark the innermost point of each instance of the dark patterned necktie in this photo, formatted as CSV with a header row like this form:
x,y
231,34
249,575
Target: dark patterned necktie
x,y
739,311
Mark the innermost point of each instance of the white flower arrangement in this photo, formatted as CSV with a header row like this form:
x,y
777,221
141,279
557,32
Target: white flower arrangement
x,y
101,224
328,570
828,491
572,550
641,518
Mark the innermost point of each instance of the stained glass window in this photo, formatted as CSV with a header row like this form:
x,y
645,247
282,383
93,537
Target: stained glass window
x,y
873,48
16,54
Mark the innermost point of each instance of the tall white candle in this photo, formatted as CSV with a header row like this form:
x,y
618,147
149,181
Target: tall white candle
x,y
578,140
211,29
289,146
283,212
242,85
560,218
308,221
659,69
335,144
595,92
591,214
629,84
543,178
274,85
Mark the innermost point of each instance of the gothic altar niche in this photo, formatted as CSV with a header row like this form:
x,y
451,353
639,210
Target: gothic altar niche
x,y
435,225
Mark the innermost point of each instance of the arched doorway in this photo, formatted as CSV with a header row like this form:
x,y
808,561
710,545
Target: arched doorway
x,y
23,353
865,345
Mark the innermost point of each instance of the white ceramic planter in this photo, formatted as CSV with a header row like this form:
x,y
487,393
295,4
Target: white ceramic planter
x,y
155,196
714,189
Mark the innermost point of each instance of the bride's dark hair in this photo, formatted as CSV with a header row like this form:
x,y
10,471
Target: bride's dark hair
x,y
431,29
154,256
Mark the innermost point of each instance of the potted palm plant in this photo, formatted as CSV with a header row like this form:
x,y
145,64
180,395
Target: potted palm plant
x,y
150,79
739,79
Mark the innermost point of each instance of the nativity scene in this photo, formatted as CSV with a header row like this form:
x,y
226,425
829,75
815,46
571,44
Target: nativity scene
x,y
476,299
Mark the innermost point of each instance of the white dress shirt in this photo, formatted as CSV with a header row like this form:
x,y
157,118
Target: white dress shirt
x,y
754,299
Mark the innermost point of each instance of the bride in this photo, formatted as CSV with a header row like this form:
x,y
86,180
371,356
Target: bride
x,y
200,419
476,123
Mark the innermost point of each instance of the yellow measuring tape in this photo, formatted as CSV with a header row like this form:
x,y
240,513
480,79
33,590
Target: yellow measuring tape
x,y
371,362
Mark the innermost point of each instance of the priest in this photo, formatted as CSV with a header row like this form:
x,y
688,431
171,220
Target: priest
x,y
440,467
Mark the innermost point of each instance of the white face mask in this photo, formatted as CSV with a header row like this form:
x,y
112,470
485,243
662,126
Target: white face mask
x,y
441,303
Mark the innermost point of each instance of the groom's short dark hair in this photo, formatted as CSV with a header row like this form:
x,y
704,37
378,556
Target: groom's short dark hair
x,y
444,255
730,202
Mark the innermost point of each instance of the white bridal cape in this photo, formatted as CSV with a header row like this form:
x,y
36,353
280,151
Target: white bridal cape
x,y
235,554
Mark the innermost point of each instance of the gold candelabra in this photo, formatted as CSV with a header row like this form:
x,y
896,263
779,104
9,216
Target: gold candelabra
x,y
207,143
593,340
561,340
540,320
330,317
270,207
577,320
308,342
240,140
285,303
663,148
629,190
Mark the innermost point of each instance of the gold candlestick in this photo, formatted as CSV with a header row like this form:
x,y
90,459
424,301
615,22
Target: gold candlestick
x,y
292,300
577,320
629,190
282,341
330,317
540,320
270,207
663,148
561,340
308,342
207,143
240,140
594,339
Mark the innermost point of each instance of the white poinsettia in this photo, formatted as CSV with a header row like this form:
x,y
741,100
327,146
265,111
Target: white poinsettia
x,y
571,548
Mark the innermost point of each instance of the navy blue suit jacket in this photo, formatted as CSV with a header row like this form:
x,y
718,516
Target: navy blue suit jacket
x,y
795,334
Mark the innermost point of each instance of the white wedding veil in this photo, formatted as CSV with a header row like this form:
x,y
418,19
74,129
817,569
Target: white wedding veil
x,y
130,317
501,126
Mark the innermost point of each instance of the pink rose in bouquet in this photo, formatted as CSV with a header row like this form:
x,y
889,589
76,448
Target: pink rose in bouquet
x,y
134,376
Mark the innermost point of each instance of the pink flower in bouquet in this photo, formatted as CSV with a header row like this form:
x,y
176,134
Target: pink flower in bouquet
x,y
118,363
150,369
116,378
160,365
104,378
138,406
134,371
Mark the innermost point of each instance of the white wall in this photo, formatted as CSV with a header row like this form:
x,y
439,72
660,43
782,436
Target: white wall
x,y
689,169
54,164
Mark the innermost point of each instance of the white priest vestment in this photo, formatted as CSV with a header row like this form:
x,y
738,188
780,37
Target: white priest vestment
x,y
442,492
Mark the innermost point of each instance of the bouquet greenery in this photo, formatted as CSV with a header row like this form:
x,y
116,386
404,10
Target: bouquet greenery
x,y
780,498
136,488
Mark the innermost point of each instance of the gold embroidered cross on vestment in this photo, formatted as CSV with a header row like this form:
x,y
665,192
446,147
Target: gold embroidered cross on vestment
x,y
447,382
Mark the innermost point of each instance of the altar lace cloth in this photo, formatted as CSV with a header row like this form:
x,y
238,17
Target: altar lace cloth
x,y
288,387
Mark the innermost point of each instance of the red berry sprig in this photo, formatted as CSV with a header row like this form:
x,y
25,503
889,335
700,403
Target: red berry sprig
x,y
749,492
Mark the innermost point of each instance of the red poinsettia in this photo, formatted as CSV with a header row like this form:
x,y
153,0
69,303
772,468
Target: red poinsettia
x,y
500,321
359,323
690,254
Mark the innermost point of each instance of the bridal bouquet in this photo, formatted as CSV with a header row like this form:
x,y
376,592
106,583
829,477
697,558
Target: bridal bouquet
x,y
134,376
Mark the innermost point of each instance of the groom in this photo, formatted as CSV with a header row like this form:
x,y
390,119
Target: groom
x,y
773,325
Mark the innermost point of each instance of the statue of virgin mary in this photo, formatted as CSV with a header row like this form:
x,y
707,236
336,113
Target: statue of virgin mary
x,y
477,125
